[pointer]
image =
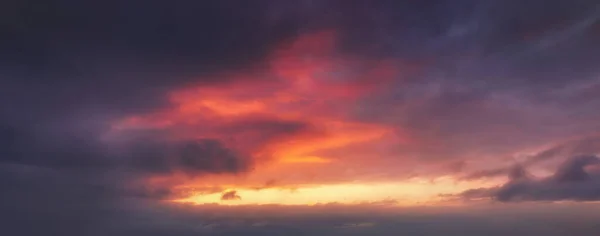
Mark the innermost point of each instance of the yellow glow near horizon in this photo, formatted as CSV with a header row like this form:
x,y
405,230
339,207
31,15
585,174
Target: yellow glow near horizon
x,y
305,159
404,193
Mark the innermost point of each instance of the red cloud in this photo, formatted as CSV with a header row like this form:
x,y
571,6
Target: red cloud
x,y
297,107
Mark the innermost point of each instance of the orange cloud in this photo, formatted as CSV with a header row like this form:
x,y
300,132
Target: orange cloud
x,y
286,118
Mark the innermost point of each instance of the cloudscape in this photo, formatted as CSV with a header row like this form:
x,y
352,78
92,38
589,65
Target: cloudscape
x,y
300,117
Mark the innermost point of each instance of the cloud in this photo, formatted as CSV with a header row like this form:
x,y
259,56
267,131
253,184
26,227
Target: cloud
x,y
579,146
144,152
517,172
194,157
230,195
84,180
288,117
210,156
486,173
72,70
571,181
252,133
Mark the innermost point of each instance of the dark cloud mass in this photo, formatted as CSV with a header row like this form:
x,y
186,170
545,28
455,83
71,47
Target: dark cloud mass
x,y
499,76
191,157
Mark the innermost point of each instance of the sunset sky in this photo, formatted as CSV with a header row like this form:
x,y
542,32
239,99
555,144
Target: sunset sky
x,y
300,117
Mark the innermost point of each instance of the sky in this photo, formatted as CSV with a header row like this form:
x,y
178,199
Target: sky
x,y
299,117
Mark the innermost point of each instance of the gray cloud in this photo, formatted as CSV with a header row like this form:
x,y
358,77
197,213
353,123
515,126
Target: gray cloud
x,y
589,144
571,181
580,146
194,157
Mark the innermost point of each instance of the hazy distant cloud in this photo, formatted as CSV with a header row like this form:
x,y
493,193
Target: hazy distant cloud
x,y
230,195
516,171
571,181
579,146
486,173
146,153
585,145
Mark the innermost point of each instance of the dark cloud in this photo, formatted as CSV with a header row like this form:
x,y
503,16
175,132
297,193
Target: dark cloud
x,y
486,173
471,194
210,156
31,146
71,183
517,173
570,182
150,31
195,157
579,146
268,184
254,132
589,144
573,169
67,199
145,153
230,195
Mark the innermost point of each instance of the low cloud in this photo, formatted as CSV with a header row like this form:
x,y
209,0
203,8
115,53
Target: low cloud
x,y
230,195
571,181
581,146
